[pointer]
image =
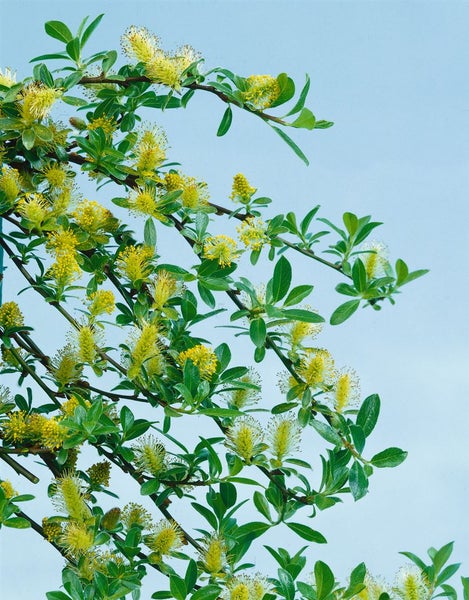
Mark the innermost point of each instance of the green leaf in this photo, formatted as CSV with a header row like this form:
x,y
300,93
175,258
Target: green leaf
x,y
74,101
89,30
287,89
442,556
299,314
359,275
209,592
351,222
225,123
58,31
368,414
391,457
281,279
287,586
447,573
465,584
177,585
415,559
251,531
306,120
307,533
258,332
220,412
73,49
17,523
57,596
149,233
358,481
191,575
262,505
149,487
324,579
344,312
292,144
326,432
301,98
28,138
402,271
206,513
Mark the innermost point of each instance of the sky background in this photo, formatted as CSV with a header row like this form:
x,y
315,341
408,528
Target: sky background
x,y
393,78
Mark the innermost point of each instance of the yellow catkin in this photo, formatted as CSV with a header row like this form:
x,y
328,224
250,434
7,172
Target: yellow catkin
x,y
241,191
134,263
10,183
146,346
34,208
53,434
8,489
262,91
221,248
213,555
136,514
283,436
76,539
163,288
11,315
69,496
86,344
99,473
203,358
102,301
244,437
165,538
36,102
150,456
252,233
7,77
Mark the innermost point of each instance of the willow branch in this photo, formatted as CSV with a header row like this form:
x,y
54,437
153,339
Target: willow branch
x,y
19,468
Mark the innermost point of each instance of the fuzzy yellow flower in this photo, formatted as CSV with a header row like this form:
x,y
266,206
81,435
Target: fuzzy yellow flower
x,y
65,270
92,217
346,389
168,69
56,175
165,538
213,555
8,489
262,91
248,393
77,539
35,209
140,44
242,191
53,433
136,514
86,344
145,351
194,193
221,248
134,263
102,301
317,368
107,124
163,287
65,367
10,183
245,438
11,315
150,149
36,101
411,584
284,435
150,456
203,358
374,259
69,496
252,233
7,77
99,473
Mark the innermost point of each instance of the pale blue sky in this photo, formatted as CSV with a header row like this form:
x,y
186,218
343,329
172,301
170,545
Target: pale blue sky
x,y
393,77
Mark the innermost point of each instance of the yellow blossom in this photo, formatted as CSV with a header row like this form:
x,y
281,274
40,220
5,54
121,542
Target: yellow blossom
x,y
52,530
168,69
65,365
150,149
10,315
221,248
213,555
140,44
150,456
194,193
99,473
102,301
36,101
248,394
62,241
53,433
346,389
316,368
7,78
162,288
86,344
61,200
107,124
69,496
145,346
284,435
69,406
375,259
134,263
15,429
245,438
35,209
8,489
77,539
146,201
65,270
10,183
92,217
203,358
252,233
262,91
164,539
56,175
411,584
239,591
135,514
242,191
